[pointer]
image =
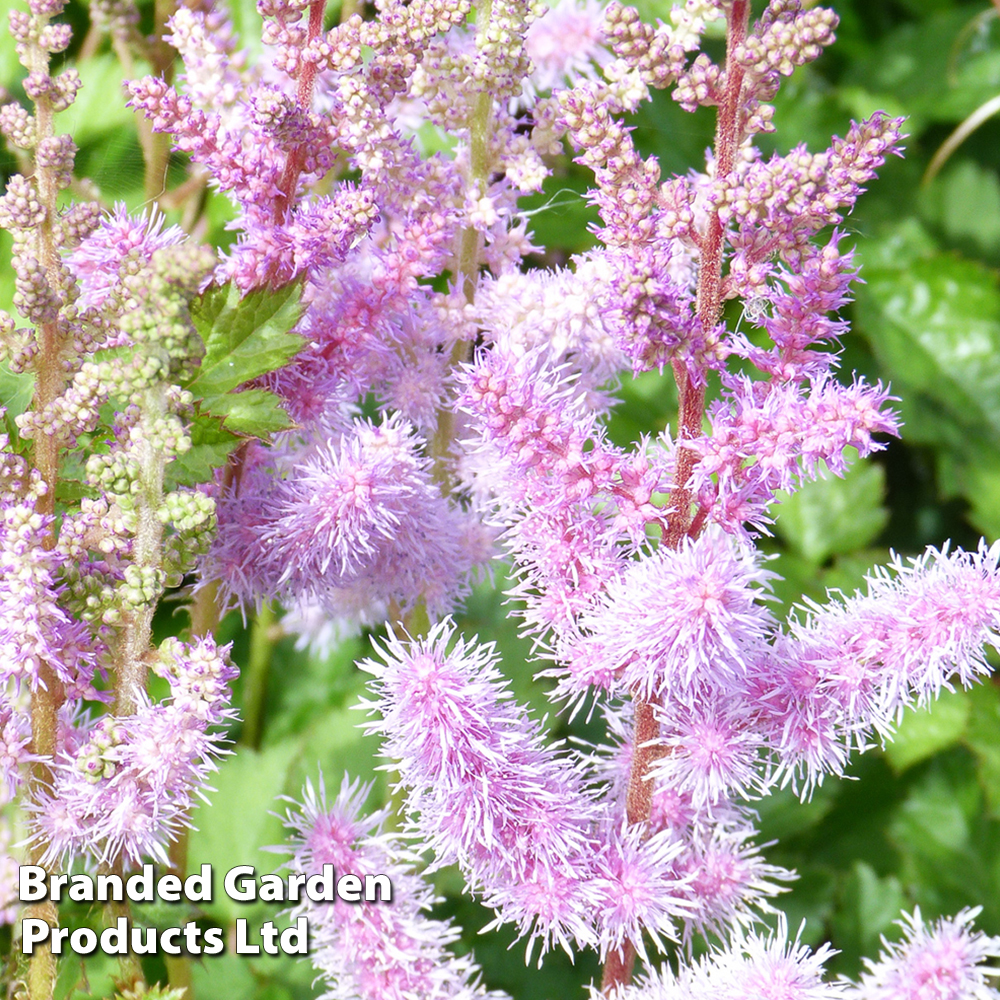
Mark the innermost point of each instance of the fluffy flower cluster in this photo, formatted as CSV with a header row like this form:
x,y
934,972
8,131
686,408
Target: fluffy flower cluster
x,y
485,792
351,521
368,951
484,387
123,786
940,962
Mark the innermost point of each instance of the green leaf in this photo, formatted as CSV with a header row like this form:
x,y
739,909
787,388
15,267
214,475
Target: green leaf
x,y
559,213
10,66
926,731
211,445
305,685
965,203
982,737
918,66
835,515
936,329
237,822
100,104
933,822
247,26
244,337
16,392
334,747
223,977
978,480
252,412
783,814
868,907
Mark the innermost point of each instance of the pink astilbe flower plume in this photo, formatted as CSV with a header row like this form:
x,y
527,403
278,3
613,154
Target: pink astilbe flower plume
x,y
354,512
943,961
35,630
682,621
103,258
853,665
124,787
374,951
484,791
752,966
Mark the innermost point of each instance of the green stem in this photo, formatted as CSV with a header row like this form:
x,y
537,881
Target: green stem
x,y
262,635
469,250
179,966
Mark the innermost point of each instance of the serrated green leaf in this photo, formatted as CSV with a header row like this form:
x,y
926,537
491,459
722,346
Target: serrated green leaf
x,y
244,337
926,731
252,412
936,329
211,445
834,515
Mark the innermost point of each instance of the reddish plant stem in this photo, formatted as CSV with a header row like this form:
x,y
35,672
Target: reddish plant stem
x,y
638,802
691,395
303,97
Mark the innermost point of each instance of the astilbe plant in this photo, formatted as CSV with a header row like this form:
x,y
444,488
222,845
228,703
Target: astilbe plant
x,y
151,360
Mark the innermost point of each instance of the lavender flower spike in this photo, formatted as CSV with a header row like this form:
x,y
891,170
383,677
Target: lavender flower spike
x,y
368,951
487,792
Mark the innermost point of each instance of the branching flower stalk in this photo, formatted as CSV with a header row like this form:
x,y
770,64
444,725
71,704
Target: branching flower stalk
x,y
197,422
646,748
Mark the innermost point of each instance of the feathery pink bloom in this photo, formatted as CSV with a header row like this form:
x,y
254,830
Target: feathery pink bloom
x,y
120,240
126,785
374,950
943,961
752,966
682,621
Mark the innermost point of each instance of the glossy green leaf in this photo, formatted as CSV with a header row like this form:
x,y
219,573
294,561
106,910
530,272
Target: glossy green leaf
x,y
245,337
936,329
252,412
835,515
926,731
211,445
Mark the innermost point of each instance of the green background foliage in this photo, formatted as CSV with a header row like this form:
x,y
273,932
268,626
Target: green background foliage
x,y
920,823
